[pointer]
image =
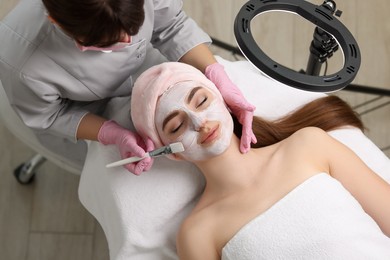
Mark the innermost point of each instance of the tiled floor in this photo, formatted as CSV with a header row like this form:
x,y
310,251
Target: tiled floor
x,y
46,220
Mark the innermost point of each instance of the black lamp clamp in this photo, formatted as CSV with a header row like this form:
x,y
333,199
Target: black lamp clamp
x,y
329,34
323,44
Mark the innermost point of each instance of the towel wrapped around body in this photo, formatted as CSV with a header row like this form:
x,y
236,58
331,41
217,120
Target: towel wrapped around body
x,y
319,219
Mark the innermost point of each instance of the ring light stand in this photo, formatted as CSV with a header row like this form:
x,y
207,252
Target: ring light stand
x,y
329,34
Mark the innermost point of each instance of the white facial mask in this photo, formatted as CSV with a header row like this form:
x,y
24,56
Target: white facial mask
x,y
174,99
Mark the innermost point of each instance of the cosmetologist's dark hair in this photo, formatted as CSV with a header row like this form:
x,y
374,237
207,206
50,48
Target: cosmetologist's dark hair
x,y
98,23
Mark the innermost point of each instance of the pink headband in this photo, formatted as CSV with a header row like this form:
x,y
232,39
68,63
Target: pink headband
x,y
151,84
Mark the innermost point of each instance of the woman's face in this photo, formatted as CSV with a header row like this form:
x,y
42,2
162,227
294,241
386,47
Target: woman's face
x,y
192,114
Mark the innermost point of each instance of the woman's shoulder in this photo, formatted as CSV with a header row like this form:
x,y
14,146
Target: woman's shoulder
x,y
195,222
195,237
310,132
308,142
308,136
301,149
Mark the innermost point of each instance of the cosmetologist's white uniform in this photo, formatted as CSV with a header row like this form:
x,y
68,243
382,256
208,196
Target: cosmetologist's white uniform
x,y
52,84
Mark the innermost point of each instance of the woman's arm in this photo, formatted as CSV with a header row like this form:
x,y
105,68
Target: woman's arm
x,y
372,192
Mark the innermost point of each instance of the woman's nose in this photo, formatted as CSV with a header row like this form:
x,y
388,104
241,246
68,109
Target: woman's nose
x,y
198,121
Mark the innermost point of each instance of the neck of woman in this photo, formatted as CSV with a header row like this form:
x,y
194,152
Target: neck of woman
x,y
232,170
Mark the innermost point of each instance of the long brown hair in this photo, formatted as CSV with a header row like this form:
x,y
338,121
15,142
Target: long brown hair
x,y
97,22
327,113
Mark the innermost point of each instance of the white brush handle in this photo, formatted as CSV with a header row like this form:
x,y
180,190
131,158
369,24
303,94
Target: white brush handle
x,y
127,161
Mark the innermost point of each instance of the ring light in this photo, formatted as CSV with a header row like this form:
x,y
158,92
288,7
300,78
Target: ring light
x,y
323,18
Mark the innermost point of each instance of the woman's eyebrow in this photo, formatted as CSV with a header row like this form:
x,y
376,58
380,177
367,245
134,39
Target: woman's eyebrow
x,y
192,93
169,117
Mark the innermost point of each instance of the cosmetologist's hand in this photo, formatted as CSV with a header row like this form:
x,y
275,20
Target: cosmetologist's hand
x,y
236,102
130,144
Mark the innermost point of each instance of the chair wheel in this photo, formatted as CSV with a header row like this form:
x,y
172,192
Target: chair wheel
x,y
23,174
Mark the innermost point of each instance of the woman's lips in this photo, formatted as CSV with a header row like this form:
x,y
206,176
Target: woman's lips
x,y
211,136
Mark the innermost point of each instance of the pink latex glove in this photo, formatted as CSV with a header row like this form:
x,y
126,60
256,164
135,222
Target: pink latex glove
x,y
235,101
129,144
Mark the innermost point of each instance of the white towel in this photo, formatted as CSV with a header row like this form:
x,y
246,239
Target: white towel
x,y
319,219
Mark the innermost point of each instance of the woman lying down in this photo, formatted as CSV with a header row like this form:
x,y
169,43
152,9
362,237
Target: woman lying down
x,y
298,194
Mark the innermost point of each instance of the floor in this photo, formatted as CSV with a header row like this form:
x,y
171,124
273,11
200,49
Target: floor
x,y
45,220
